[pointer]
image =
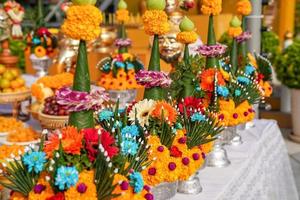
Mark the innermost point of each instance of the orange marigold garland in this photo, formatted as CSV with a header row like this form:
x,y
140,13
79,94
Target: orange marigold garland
x,y
156,22
187,37
122,15
244,7
82,23
211,7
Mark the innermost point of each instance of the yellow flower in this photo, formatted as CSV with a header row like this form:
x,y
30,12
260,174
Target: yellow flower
x,y
127,56
86,178
234,31
187,37
225,74
82,23
156,22
244,7
211,7
122,15
252,60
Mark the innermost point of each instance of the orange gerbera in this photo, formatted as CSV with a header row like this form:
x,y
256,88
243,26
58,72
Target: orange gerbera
x,y
165,109
207,79
40,51
71,141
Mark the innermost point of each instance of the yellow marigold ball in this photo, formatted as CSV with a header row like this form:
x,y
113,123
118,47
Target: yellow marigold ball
x,y
187,37
244,7
122,15
82,23
156,22
211,7
234,31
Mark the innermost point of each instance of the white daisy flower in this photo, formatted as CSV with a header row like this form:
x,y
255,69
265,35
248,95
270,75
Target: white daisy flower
x,y
143,110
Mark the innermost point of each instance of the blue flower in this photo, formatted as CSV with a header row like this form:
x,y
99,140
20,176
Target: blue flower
x,y
243,80
198,89
106,67
66,177
178,126
36,41
222,91
130,130
136,181
197,117
129,65
129,147
121,110
237,93
119,64
105,115
35,161
249,69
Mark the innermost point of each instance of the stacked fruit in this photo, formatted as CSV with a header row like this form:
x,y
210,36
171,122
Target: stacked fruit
x,y
51,107
10,80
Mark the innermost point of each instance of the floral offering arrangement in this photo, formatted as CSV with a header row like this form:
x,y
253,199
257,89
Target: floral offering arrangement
x,y
41,43
118,71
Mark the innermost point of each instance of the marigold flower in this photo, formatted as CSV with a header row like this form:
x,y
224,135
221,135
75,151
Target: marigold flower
x,y
82,23
122,15
235,31
244,7
156,22
211,7
187,37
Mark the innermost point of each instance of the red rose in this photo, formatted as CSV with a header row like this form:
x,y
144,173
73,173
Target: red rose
x,y
174,151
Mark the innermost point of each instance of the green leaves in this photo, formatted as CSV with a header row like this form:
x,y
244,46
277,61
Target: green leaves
x,y
19,179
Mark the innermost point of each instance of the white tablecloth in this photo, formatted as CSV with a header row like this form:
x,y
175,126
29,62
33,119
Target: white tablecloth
x,y
260,169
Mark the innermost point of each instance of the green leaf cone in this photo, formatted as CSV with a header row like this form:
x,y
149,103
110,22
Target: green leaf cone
x,y
242,47
155,93
188,76
211,40
83,119
122,35
233,57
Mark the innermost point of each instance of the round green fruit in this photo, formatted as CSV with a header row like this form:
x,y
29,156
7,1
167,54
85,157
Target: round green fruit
x,y
84,2
122,4
235,22
156,4
186,24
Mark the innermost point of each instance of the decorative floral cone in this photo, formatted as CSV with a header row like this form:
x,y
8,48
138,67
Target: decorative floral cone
x,y
83,23
156,23
187,36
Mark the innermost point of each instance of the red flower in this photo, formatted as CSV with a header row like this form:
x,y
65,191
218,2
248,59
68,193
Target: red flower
x,y
191,104
58,196
260,77
91,143
174,152
43,32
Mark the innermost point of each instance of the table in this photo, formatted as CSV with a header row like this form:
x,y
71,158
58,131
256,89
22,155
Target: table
x,y
260,169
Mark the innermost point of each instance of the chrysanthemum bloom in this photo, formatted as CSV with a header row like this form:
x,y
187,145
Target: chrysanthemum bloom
x,y
211,7
156,22
187,37
66,177
244,7
85,189
207,79
122,15
141,111
235,31
71,142
82,23
35,161
163,109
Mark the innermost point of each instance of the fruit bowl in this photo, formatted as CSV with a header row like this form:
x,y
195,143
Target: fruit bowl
x,y
15,96
52,121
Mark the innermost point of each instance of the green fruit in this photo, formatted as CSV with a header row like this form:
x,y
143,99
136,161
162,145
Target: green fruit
x,y
122,4
84,2
235,22
4,83
186,24
156,4
8,76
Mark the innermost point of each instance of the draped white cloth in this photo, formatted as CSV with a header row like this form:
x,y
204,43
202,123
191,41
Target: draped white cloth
x,y
260,169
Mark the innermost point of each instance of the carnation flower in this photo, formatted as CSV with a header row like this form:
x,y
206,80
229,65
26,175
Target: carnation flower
x,y
197,117
243,80
131,131
35,161
66,177
136,181
129,147
105,115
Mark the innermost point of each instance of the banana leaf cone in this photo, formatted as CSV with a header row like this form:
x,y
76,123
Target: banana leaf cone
x,y
122,35
211,40
242,47
187,77
82,119
155,93
234,57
